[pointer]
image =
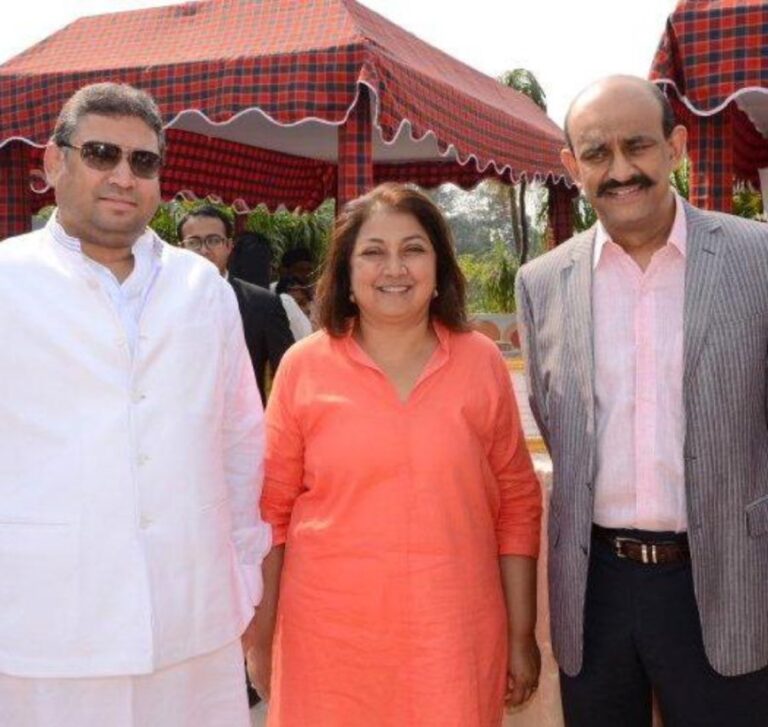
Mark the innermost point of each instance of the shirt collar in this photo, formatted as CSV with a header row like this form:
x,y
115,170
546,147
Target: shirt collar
x,y
677,235
147,243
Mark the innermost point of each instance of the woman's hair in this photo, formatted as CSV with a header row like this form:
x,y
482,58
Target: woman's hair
x,y
333,305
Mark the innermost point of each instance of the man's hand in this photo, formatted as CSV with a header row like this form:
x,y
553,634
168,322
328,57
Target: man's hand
x,y
523,670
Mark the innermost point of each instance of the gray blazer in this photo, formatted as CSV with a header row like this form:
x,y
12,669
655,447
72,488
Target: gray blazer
x,y
726,431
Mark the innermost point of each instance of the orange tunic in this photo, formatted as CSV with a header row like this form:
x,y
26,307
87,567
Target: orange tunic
x,y
394,514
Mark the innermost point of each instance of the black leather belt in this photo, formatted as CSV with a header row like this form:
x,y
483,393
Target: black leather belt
x,y
646,549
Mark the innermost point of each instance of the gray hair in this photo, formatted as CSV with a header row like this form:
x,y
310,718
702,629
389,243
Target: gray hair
x,y
108,99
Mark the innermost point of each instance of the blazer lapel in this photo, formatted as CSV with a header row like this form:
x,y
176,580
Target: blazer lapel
x,y
577,299
705,252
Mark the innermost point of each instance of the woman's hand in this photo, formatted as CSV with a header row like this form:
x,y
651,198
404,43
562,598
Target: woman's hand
x,y
257,647
258,637
524,667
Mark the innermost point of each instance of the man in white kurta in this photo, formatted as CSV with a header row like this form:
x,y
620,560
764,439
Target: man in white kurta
x,y
130,450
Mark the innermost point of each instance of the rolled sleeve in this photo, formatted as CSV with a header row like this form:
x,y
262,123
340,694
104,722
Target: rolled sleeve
x,y
518,524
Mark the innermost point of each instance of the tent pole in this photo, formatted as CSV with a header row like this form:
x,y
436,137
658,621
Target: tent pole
x,y
560,210
710,147
355,156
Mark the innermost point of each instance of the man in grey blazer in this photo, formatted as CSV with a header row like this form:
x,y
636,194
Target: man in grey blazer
x,y
646,346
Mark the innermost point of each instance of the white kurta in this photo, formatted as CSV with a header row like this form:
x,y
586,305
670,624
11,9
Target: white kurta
x,y
131,444
206,691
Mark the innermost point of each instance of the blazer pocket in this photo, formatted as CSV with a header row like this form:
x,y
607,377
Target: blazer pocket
x,y
757,517
727,330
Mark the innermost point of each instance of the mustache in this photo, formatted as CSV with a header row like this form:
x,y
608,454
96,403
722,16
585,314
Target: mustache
x,y
640,180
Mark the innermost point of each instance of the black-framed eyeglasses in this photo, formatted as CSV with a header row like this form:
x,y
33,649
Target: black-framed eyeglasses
x,y
104,156
209,242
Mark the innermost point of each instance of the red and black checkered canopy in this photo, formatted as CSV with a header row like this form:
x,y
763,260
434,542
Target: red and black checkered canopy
x,y
713,60
714,50
327,63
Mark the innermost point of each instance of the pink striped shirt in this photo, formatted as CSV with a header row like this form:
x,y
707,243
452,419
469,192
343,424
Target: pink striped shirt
x,y
638,348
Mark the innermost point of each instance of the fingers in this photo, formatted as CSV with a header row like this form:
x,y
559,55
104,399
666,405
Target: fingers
x,y
259,671
263,691
261,686
519,691
523,674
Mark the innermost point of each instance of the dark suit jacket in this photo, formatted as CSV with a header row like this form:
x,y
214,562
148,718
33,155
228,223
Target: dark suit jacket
x,y
267,334
725,395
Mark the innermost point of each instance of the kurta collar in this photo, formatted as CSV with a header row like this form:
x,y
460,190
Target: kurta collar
x,y
147,242
438,359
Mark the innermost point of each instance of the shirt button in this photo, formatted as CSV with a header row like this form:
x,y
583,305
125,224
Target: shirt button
x,y
145,521
143,459
138,397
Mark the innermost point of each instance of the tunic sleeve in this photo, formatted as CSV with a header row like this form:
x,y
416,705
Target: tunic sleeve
x,y
284,461
519,521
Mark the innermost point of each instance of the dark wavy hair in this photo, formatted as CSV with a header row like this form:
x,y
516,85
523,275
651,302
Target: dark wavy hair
x,y
108,99
333,306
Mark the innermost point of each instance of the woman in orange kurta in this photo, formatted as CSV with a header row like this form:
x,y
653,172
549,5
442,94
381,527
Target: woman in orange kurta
x,y
403,503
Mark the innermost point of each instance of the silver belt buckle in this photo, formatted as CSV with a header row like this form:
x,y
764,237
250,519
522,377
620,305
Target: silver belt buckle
x,y
618,544
648,553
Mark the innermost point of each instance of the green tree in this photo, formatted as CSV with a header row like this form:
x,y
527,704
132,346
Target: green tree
x,y
490,278
523,81
287,230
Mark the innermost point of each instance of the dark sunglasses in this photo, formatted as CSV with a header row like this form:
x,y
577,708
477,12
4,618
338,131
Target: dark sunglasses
x,y
104,157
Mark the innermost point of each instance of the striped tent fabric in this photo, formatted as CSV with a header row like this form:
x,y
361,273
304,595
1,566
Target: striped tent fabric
x,y
253,176
711,54
258,176
333,61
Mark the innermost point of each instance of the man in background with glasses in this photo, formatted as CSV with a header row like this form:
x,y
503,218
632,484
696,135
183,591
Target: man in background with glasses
x,y
207,231
130,450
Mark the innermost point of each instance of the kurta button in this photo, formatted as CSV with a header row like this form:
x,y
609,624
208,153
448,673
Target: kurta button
x,y
138,397
145,521
143,459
